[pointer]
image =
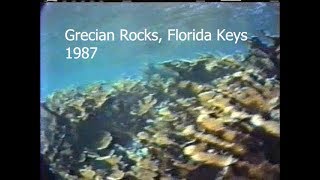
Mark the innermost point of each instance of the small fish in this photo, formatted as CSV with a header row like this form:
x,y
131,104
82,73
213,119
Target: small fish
x,y
149,121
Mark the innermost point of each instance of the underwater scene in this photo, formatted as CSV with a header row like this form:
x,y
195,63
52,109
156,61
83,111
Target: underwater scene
x,y
175,110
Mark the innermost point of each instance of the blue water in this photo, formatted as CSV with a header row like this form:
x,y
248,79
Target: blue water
x,y
118,60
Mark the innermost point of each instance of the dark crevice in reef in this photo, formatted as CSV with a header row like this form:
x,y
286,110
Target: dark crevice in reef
x,y
204,173
45,173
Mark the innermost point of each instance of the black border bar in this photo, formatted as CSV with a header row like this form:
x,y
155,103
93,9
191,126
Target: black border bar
x,y
162,1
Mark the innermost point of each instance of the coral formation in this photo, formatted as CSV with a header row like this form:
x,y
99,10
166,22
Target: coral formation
x,y
105,141
208,115
145,105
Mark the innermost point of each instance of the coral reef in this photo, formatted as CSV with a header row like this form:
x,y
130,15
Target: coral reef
x,y
206,118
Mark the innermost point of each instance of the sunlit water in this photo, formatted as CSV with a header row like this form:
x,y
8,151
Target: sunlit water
x,y
118,60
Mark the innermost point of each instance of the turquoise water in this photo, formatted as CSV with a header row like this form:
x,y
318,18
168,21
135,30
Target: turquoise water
x,y
118,60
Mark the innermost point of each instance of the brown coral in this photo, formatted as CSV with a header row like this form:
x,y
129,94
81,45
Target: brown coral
x,y
104,141
218,114
145,105
213,159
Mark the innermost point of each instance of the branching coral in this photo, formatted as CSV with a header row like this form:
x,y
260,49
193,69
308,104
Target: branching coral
x,y
104,141
186,116
145,105
77,106
87,174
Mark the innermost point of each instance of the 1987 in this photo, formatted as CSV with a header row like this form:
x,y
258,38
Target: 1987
x,y
81,53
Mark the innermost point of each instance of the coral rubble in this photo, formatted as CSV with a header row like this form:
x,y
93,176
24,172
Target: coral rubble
x,y
208,115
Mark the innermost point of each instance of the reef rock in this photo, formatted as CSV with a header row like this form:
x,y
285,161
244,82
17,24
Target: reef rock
x,y
219,117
